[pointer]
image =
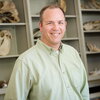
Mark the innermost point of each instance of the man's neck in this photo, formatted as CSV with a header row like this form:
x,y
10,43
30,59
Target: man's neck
x,y
54,46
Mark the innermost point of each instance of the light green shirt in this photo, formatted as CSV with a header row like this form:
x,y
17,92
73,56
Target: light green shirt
x,y
44,74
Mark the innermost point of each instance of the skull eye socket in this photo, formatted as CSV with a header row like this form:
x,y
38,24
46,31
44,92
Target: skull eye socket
x,y
1,34
1,4
7,14
8,36
5,33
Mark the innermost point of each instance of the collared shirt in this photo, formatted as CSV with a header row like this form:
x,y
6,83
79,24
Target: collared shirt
x,y
42,73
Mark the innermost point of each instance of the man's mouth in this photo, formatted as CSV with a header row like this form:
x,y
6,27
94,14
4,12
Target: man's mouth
x,y
55,34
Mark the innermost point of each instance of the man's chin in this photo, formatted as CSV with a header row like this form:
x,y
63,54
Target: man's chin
x,y
56,42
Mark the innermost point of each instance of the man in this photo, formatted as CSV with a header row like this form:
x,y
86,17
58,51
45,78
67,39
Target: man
x,y
50,70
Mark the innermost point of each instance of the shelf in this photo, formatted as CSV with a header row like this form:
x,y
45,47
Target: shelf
x,y
11,24
19,43
74,42
9,56
2,91
94,77
35,40
67,16
91,31
87,52
71,39
70,16
75,36
37,16
65,39
95,95
90,10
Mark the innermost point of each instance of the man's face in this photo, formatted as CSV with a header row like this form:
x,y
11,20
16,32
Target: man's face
x,y
52,27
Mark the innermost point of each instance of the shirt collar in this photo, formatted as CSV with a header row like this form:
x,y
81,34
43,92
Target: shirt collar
x,y
49,49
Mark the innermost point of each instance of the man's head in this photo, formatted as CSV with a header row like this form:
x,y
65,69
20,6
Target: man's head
x,y
49,7
52,25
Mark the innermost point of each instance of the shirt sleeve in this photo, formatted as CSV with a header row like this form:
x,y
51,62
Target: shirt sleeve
x,y
20,82
85,88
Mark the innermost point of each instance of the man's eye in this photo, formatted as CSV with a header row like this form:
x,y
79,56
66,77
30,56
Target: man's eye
x,y
61,22
49,23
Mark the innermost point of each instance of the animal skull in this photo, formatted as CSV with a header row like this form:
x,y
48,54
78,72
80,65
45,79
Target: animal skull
x,y
8,12
91,4
5,37
91,25
63,5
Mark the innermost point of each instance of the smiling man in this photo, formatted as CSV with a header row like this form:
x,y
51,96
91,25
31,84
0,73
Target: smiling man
x,y
50,70
52,27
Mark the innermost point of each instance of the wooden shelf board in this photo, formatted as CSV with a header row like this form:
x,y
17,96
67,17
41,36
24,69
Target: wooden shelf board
x,y
35,16
91,31
11,24
94,77
9,56
2,91
67,16
95,95
88,52
70,16
64,39
90,10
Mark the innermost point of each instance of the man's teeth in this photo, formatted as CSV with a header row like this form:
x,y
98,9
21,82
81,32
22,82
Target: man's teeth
x,y
55,34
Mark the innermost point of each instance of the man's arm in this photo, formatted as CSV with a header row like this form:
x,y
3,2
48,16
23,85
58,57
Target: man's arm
x,y
85,88
20,82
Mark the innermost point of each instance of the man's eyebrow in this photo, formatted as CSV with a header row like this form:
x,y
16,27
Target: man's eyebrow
x,y
61,20
53,21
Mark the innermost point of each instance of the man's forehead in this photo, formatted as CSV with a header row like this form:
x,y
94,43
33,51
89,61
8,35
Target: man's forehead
x,y
54,20
55,10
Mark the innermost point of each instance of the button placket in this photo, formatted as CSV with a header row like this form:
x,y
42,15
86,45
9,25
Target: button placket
x,y
62,71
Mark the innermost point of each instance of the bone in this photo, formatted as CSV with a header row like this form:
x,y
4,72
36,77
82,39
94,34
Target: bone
x,y
36,33
92,47
3,84
91,25
63,5
95,72
8,12
91,4
96,4
1,37
5,45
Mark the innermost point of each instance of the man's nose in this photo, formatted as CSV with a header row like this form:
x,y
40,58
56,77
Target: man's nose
x,y
55,26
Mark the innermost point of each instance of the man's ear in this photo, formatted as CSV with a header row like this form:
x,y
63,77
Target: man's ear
x,y
40,25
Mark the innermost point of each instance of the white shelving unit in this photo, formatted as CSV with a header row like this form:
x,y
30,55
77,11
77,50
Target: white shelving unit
x,y
91,59
19,43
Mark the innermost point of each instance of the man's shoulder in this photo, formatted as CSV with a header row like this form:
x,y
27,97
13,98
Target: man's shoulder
x,y
29,53
69,47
